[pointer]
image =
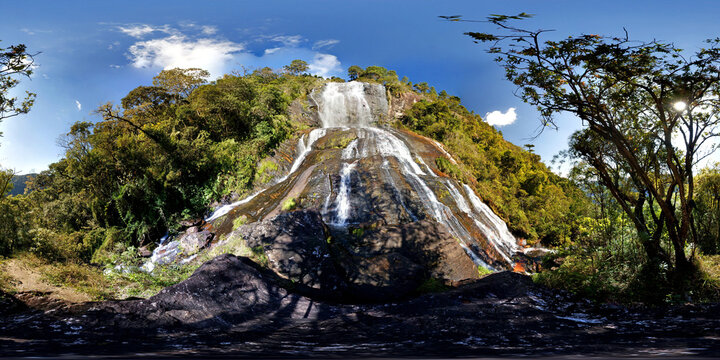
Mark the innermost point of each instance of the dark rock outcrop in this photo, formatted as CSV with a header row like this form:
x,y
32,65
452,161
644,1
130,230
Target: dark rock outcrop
x,y
296,246
225,290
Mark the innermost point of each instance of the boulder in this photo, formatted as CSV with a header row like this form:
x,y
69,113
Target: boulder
x,y
223,291
296,247
192,242
143,251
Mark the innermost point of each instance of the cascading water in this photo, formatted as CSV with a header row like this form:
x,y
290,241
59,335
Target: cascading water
x,y
348,105
381,159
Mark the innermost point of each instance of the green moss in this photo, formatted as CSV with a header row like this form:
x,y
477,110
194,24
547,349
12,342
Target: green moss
x,y
357,232
339,142
289,204
239,221
483,271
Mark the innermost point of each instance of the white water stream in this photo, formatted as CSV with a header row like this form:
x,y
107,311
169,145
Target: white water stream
x,y
347,105
351,105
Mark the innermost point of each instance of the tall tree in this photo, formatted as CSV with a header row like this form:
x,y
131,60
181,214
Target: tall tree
x,y
181,82
649,116
296,67
15,62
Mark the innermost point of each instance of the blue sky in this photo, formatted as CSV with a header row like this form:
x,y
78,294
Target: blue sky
x,y
95,52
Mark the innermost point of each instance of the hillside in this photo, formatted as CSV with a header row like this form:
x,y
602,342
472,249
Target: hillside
x,y
18,182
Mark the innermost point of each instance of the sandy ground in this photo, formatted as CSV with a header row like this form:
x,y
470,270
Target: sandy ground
x,y
29,280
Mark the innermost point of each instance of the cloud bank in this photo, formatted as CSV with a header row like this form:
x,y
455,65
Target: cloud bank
x,y
497,118
201,46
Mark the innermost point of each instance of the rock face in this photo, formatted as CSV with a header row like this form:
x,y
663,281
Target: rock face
x,y
296,247
224,290
385,263
373,217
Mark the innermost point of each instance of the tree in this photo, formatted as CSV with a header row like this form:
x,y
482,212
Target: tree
x,y
296,67
354,72
15,61
707,209
181,82
649,115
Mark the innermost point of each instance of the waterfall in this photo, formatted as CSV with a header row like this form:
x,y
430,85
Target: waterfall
x,y
356,107
303,150
343,197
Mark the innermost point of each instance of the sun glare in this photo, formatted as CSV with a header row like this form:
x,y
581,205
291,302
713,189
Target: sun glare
x,y
680,106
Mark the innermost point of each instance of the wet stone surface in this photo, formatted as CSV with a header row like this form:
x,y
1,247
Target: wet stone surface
x,y
230,308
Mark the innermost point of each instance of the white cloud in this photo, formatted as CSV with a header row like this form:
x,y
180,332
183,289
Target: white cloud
x,y
209,30
497,118
194,45
324,65
272,51
324,43
79,105
137,31
114,66
290,41
179,51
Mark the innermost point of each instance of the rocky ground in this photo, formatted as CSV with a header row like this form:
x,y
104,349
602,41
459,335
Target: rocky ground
x,y
232,308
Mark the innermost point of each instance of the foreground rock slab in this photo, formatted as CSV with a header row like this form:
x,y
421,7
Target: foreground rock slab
x,y
229,308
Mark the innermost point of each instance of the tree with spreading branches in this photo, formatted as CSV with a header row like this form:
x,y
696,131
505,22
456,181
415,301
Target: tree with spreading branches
x,y
649,113
15,62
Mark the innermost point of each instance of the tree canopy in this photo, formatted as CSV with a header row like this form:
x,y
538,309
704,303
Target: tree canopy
x,y
649,112
15,62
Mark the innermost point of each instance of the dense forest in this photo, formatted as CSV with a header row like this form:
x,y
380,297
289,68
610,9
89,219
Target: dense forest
x,y
172,148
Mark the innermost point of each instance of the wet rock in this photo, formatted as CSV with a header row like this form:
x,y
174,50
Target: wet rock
x,y
426,243
192,242
383,277
143,251
182,248
295,244
191,222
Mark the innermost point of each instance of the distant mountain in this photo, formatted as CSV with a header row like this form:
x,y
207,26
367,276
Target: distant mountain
x,y
19,183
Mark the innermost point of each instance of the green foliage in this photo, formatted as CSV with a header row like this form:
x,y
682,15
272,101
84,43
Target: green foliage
x,y
296,67
258,254
449,168
357,232
627,94
379,75
289,204
707,210
137,283
15,62
168,151
536,204
263,170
